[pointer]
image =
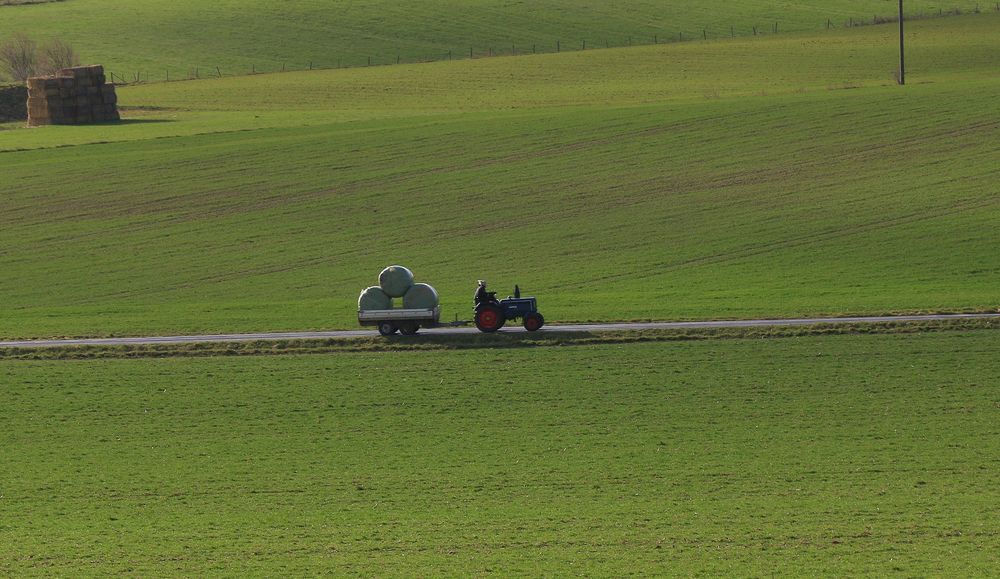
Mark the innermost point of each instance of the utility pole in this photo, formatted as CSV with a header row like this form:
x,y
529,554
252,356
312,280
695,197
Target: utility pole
x,y
902,56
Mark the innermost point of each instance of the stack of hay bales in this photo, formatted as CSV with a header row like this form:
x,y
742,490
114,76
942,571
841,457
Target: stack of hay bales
x,y
396,281
72,96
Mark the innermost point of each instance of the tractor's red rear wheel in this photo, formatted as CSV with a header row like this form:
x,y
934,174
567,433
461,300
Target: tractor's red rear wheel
x,y
489,319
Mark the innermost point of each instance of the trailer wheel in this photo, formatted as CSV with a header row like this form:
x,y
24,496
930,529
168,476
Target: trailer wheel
x,y
533,322
387,328
489,319
409,329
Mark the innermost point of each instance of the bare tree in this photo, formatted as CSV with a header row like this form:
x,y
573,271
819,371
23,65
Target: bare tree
x,y
17,57
57,54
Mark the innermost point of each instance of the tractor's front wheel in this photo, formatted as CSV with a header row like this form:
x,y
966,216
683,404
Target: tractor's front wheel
x,y
387,328
533,322
489,319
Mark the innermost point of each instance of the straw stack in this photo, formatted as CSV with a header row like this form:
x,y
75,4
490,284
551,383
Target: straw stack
x,y
72,96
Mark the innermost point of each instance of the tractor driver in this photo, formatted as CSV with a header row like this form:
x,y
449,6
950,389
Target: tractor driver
x,y
481,296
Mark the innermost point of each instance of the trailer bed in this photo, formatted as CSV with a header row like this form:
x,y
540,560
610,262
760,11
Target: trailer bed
x,y
373,317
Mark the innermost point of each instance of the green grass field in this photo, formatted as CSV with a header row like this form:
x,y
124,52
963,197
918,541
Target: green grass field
x,y
841,455
153,37
771,176
619,184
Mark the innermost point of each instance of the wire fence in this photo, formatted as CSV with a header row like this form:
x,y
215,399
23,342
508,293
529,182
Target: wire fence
x,y
557,46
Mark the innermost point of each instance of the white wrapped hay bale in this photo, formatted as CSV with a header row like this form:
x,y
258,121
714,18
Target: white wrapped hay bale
x,y
374,298
421,296
395,280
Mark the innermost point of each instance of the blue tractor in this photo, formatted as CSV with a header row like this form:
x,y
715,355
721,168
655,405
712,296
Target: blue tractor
x,y
492,314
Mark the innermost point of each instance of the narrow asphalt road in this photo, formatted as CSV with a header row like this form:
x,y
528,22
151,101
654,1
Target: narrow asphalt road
x,y
580,328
